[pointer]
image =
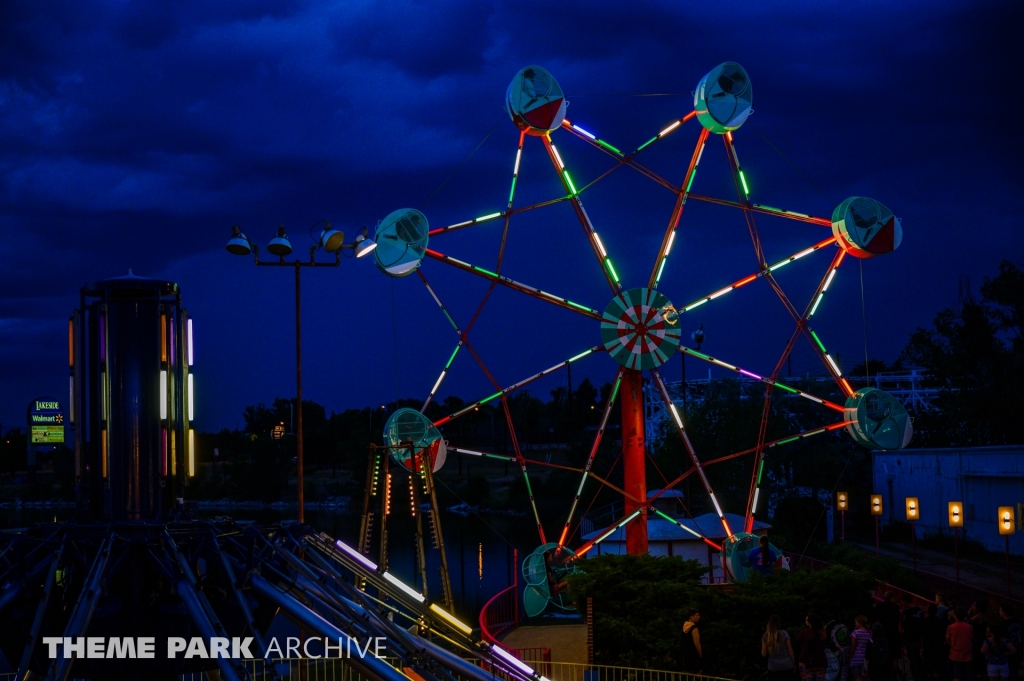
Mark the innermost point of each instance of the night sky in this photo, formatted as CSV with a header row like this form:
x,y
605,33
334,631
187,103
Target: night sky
x,y
134,134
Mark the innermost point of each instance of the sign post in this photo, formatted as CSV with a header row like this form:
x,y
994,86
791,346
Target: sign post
x,y
45,419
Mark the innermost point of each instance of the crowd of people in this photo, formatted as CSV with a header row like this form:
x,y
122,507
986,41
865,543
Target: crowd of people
x,y
898,641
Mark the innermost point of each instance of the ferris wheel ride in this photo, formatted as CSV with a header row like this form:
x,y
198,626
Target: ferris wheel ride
x,y
639,328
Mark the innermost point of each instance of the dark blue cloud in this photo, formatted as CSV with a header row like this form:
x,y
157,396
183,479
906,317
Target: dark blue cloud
x,y
132,135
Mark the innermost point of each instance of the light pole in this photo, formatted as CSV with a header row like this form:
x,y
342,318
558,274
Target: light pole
x,y
1007,526
876,510
842,503
332,241
913,513
956,521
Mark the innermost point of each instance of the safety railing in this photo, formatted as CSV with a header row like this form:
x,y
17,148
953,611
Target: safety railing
x,y
338,669
501,612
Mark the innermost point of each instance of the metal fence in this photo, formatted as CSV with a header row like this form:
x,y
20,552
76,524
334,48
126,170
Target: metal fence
x,y
337,669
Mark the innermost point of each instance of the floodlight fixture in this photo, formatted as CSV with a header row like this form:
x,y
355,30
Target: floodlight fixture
x,y
280,245
239,243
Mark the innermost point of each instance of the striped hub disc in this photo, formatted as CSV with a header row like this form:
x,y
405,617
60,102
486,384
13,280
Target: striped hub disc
x,y
640,329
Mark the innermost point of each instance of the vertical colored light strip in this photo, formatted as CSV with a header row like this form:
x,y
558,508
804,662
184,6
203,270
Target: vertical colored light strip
x,y
190,341
163,451
103,452
163,337
71,397
743,179
191,399
600,245
71,343
753,507
103,337
174,452
191,453
163,394
515,174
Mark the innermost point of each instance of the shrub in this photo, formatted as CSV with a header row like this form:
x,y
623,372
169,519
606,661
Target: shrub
x,y
640,604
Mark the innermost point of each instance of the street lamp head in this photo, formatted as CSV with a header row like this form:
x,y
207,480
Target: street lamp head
x,y
364,245
331,239
280,245
238,243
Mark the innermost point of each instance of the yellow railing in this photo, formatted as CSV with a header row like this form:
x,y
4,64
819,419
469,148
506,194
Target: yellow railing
x,y
337,669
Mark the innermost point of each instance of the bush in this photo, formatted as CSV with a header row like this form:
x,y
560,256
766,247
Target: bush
x,y
640,604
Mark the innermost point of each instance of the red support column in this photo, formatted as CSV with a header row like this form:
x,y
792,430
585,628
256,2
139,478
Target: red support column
x,y
633,460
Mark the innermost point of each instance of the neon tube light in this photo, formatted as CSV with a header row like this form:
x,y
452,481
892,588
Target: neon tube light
x,y
816,303
833,363
163,394
583,132
747,373
519,155
673,520
404,587
600,246
467,451
191,452
611,270
669,129
818,341
717,507
488,217
828,282
511,661
671,240
355,554
558,157
450,619
580,356
191,400
190,341
568,180
804,252
698,303
721,293
628,518
743,179
438,383
753,507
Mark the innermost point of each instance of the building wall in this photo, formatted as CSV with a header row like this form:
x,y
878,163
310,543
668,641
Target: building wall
x,y
983,478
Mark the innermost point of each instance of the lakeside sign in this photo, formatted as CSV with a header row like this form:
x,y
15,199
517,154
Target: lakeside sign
x,y
45,421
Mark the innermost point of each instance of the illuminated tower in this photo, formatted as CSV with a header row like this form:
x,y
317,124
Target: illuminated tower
x,y
131,398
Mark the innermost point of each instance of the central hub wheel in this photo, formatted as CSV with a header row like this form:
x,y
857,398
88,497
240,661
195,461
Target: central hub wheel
x,y
640,329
